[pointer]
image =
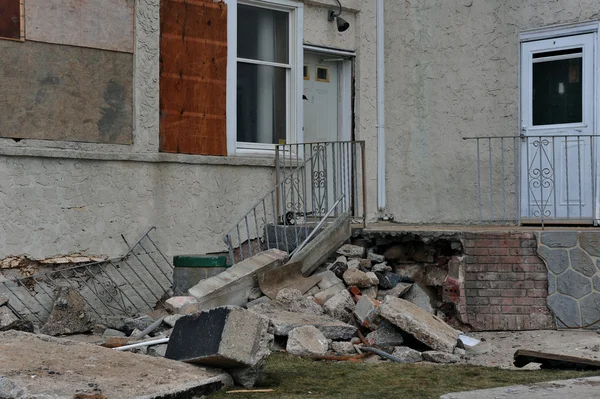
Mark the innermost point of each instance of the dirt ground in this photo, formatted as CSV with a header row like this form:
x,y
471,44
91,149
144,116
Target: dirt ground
x,y
499,347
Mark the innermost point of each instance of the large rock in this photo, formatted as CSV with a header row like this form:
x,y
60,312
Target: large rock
x,y
440,357
7,317
236,284
557,260
423,326
340,306
351,251
293,301
306,341
407,355
357,278
386,336
70,314
283,322
582,262
225,337
420,296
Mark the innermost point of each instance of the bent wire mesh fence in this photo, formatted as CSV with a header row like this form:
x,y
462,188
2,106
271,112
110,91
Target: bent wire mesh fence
x,y
126,286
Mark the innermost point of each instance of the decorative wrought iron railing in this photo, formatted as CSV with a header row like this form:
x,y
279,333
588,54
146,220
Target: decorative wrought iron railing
x,y
126,286
542,179
315,182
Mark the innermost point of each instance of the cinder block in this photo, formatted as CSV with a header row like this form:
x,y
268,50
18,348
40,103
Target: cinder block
x,y
225,337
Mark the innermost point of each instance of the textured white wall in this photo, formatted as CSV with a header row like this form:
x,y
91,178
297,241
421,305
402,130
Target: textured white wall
x,y
452,71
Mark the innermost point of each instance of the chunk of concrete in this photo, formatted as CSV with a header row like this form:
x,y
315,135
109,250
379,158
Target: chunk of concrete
x,y
236,284
407,355
306,341
440,357
338,267
382,267
182,304
172,319
225,337
247,376
375,257
423,326
357,278
351,251
283,322
293,301
398,291
323,244
343,348
70,314
7,317
371,292
386,336
328,279
288,276
322,297
373,277
420,296
3,299
353,263
158,350
262,299
367,312
340,306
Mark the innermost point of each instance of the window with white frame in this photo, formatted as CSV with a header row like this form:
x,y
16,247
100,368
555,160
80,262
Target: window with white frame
x,y
267,71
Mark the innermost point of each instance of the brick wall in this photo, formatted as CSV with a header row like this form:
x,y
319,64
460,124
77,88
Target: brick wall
x,y
506,283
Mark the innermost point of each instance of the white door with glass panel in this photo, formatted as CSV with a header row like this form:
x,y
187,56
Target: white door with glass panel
x,y
557,121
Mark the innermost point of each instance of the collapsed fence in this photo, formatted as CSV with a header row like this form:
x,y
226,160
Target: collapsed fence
x,y
125,286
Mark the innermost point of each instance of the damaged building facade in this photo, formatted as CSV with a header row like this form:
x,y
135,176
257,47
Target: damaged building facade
x,y
123,115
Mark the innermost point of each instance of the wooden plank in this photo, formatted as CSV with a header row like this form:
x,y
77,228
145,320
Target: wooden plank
x,y
54,92
193,77
11,19
102,24
554,361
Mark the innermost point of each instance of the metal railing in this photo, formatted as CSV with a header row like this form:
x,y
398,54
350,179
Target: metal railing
x,y
129,285
315,182
536,179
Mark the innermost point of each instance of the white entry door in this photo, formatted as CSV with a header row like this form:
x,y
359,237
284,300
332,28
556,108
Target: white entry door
x,y
557,112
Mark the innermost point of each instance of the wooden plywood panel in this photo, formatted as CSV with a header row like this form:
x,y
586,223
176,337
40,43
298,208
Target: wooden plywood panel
x,y
54,92
193,74
11,19
103,24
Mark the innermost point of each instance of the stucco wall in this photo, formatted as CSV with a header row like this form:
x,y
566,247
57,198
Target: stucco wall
x,y
59,197
452,71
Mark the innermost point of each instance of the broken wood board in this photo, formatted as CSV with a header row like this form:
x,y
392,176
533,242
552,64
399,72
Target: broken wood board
x,y
100,24
523,357
66,93
11,20
287,276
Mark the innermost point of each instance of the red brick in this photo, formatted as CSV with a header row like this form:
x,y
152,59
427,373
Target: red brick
x,y
498,301
540,301
514,293
489,292
476,251
512,276
498,259
528,244
479,284
524,301
487,309
532,259
477,301
499,267
516,309
522,251
471,293
537,293
499,251
536,276
539,268
475,268
512,284
540,284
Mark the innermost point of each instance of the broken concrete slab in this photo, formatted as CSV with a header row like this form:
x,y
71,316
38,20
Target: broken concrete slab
x,y
367,312
7,317
554,361
236,284
325,243
271,282
357,278
225,337
247,376
398,291
423,326
306,341
262,299
283,322
70,314
328,279
182,304
75,367
322,297
440,357
3,299
420,296
340,306
351,251
386,336
292,300
407,355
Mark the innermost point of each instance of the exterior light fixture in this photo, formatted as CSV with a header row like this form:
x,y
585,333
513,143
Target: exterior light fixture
x,y
342,24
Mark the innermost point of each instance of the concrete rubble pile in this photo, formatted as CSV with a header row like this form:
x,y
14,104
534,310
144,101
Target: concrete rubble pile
x,y
353,306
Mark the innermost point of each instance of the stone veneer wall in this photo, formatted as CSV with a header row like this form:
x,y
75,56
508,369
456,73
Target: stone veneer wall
x,y
506,283
573,261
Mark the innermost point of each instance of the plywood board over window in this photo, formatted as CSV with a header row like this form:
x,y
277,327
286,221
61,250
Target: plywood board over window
x,y
54,92
193,74
11,19
102,24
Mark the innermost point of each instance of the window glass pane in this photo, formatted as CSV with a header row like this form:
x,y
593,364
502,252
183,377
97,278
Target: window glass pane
x,y
263,34
557,92
261,103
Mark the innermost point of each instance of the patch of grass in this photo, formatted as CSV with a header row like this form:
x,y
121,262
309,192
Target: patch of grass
x,y
293,377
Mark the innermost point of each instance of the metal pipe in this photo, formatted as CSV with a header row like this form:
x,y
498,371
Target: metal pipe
x,y
381,189
317,227
382,354
145,343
